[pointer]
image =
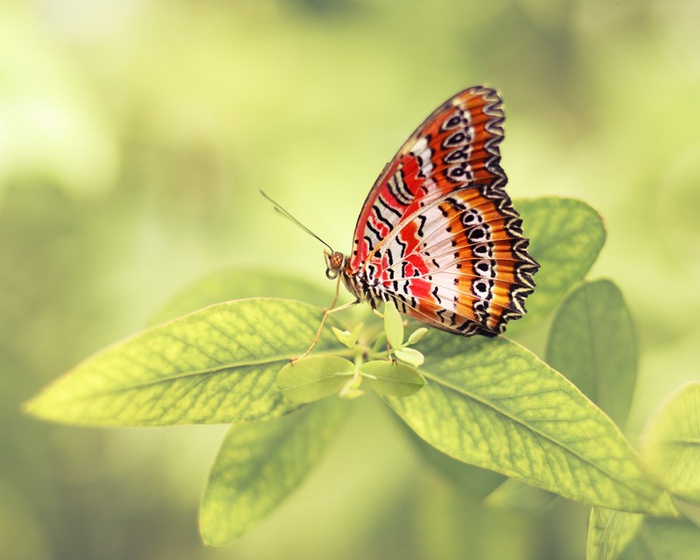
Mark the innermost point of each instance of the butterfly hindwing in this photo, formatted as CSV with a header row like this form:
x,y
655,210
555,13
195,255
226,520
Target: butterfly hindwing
x,y
469,261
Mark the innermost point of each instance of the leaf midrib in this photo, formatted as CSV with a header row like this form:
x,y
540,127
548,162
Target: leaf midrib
x,y
520,422
171,378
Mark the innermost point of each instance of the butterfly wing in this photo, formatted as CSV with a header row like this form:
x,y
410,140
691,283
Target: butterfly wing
x,y
438,234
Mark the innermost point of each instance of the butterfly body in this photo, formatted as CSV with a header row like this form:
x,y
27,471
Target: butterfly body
x,y
438,234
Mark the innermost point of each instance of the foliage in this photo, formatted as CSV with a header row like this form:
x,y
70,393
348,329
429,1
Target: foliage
x,y
135,136
488,403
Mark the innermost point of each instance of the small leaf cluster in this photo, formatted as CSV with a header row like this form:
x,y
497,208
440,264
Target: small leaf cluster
x,y
314,378
544,427
393,324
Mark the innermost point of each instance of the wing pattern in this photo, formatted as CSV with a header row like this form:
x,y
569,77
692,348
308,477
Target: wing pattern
x,y
437,233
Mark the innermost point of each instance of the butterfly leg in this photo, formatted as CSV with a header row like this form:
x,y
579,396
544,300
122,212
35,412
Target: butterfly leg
x,y
326,313
389,355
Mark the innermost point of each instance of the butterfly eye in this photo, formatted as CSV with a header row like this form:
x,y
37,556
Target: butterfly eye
x,y
334,261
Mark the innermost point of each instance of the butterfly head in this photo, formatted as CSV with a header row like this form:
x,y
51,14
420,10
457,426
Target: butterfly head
x,y
334,263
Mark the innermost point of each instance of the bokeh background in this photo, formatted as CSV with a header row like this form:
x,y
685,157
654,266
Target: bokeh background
x,y
134,136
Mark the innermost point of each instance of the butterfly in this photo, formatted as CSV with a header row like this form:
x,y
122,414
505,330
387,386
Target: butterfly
x,y
438,234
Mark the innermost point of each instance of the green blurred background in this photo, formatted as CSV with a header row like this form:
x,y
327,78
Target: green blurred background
x,y
134,136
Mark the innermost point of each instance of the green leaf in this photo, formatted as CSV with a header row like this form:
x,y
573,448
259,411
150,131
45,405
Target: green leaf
x,y
217,365
592,342
609,533
566,236
416,336
348,338
671,444
516,495
393,325
260,464
410,355
240,284
664,539
392,379
314,378
494,404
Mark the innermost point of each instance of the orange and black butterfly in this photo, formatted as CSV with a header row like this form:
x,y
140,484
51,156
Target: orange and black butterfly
x,y
438,234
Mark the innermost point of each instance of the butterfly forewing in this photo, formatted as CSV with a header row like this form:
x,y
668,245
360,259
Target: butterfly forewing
x,y
437,233
456,145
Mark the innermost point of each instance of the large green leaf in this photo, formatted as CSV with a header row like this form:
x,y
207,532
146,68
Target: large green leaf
x,y
494,404
217,365
609,533
592,342
671,444
566,236
260,464
239,284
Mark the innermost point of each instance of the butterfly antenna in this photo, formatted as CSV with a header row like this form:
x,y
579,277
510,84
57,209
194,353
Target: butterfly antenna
x,y
287,215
